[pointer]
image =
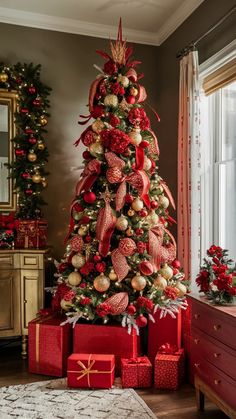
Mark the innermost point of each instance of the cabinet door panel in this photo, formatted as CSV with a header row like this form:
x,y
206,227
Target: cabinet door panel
x,y
9,303
32,295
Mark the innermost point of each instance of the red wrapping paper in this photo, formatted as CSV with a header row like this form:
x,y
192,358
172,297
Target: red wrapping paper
x,y
169,370
49,346
90,338
163,330
31,234
136,373
91,371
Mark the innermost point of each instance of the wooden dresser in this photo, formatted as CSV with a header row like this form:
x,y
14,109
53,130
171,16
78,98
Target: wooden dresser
x,y
21,291
213,353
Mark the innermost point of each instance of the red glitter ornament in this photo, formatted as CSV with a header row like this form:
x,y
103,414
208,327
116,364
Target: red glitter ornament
x,y
31,90
130,100
139,231
143,213
86,155
89,197
176,264
24,110
129,198
29,192
154,204
25,175
32,140
141,321
131,309
97,258
100,267
36,102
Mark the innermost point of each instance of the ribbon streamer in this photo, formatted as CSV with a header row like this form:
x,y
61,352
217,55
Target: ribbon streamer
x,y
120,264
104,229
138,180
159,253
89,176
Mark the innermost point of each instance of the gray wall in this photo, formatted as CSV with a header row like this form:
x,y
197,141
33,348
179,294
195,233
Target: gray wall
x,y
67,66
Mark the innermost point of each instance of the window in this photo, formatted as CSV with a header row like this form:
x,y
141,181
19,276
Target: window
x,y
218,176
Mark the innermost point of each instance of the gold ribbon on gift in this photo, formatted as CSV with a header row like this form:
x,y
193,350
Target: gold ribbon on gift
x,y
87,370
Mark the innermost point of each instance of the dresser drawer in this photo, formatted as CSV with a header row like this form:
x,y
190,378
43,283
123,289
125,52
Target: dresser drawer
x,y
216,353
30,261
221,384
6,261
214,324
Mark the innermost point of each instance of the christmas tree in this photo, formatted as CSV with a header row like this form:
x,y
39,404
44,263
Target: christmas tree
x,y
121,258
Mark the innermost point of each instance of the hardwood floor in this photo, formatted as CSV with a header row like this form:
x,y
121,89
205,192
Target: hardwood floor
x,y
165,404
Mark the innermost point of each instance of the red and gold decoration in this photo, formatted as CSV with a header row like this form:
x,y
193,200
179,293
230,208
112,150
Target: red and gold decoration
x,y
118,239
31,234
136,372
169,367
31,153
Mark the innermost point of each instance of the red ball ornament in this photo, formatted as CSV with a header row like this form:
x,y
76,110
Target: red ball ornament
x,y
85,219
77,207
129,198
25,175
32,140
19,152
175,271
176,264
24,110
97,258
141,246
97,111
29,131
154,204
100,267
130,100
31,90
28,192
36,102
144,144
139,231
89,197
131,309
86,155
141,321
143,213
88,239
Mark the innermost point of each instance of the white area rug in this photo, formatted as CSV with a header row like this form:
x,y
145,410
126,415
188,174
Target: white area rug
x,y
53,400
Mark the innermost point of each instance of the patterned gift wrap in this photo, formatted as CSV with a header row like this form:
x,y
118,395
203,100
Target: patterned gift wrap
x,y
136,373
169,370
31,234
91,371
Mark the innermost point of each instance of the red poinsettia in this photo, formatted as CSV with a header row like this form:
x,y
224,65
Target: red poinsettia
x,y
116,140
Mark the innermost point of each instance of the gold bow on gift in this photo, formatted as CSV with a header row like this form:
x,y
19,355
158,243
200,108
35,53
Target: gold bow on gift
x,y
86,371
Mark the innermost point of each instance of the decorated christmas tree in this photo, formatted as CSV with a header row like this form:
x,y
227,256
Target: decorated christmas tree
x,y
121,261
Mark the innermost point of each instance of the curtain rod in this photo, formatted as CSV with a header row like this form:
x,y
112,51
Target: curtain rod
x,y
192,45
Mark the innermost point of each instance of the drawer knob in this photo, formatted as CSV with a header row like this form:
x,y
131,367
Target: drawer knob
x,y
217,355
196,316
217,382
196,341
25,301
217,327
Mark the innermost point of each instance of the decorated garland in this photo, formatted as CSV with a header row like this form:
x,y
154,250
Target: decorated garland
x,y
31,154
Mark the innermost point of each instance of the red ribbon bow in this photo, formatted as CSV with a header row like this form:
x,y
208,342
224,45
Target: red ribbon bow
x,y
168,349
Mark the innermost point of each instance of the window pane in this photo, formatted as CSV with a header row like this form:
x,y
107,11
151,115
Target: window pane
x,y
229,122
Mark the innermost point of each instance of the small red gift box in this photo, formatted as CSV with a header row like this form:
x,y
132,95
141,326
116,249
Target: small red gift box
x,y
91,338
49,346
136,373
90,371
31,233
7,220
169,369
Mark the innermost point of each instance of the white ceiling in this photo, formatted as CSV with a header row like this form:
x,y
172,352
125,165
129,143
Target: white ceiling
x,y
144,21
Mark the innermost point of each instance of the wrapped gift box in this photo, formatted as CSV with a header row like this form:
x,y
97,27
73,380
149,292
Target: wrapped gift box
x,y
163,330
49,346
136,373
91,371
107,339
31,234
169,370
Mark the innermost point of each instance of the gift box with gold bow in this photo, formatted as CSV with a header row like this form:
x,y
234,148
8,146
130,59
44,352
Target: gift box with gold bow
x,y
90,371
169,367
136,372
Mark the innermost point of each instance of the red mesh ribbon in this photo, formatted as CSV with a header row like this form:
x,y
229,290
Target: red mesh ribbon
x,y
168,193
142,95
89,175
104,229
167,348
114,161
118,302
159,253
138,180
132,74
120,264
93,90
153,146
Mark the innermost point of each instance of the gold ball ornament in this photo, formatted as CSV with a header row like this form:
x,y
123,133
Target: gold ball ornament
x,y
74,278
78,261
112,275
3,77
164,201
135,136
41,146
152,218
147,163
131,212
83,230
166,271
129,232
36,178
65,305
160,282
111,100
133,91
121,223
43,121
182,289
137,204
96,149
138,282
101,283
97,126
32,157
123,80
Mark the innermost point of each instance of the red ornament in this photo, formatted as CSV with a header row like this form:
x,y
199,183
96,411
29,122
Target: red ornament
x,y
114,120
19,152
24,110
130,100
141,246
146,267
144,144
100,267
154,204
86,155
25,175
131,309
32,140
36,102
78,207
76,243
29,131
143,213
85,219
97,111
31,90
139,231
88,239
97,258
129,198
141,321
121,90
62,267
28,191
89,197
175,271
176,264
127,246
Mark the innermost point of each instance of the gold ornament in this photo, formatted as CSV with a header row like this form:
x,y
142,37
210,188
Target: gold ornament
x,y
36,178
96,149
123,80
160,282
41,146
65,305
101,283
97,126
133,91
121,223
74,278
131,212
3,77
111,100
166,271
137,204
138,282
164,201
182,289
43,120
129,232
112,275
32,157
78,261
44,183
147,163
83,230
135,136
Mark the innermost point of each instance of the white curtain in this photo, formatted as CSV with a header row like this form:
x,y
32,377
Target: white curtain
x,y
189,162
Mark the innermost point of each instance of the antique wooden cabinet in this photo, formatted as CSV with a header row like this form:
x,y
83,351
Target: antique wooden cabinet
x,y
21,291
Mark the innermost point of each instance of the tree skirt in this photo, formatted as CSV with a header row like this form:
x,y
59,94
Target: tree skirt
x,y
53,400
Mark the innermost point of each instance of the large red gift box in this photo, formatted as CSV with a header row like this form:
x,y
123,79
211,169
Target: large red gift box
x,y
107,339
169,370
166,329
91,371
136,373
31,233
49,346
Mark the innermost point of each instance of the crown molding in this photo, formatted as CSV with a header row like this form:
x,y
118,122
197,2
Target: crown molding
x,y
67,25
